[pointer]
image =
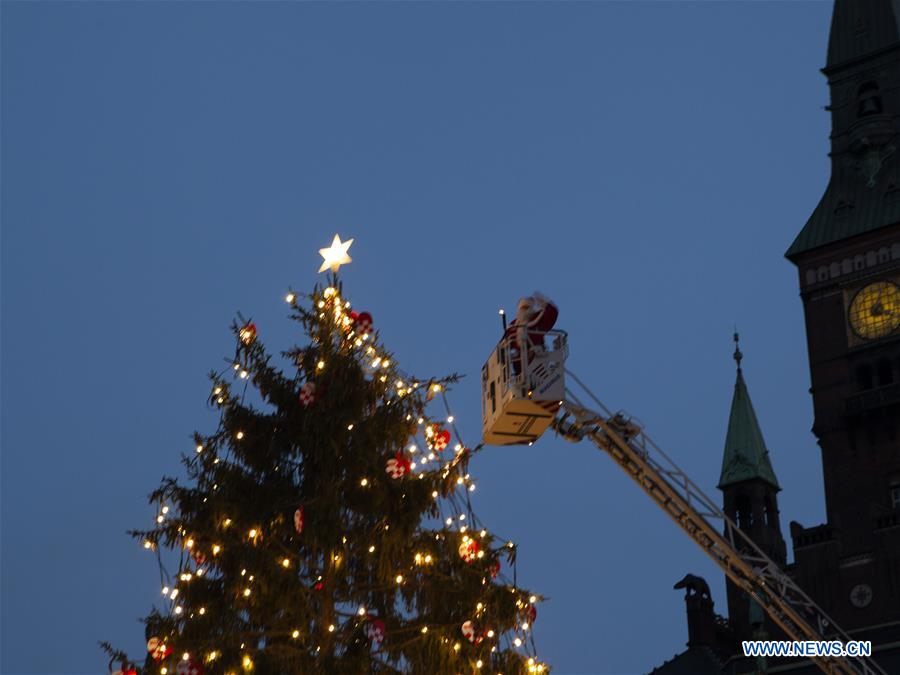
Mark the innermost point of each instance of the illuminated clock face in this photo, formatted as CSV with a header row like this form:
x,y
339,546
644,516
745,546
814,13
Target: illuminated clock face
x,y
875,310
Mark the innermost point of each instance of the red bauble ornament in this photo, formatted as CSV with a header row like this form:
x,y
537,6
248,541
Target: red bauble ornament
x,y
440,439
198,557
189,668
248,333
468,550
494,568
362,322
530,613
308,394
318,586
398,466
375,631
157,648
125,669
298,520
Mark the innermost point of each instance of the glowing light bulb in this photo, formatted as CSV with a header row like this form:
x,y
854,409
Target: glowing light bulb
x,y
364,482
239,435
247,592
286,562
399,578
517,642
361,611
295,634
289,297
331,628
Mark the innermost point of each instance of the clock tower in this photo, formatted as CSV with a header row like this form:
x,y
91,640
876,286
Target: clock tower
x,y
848,259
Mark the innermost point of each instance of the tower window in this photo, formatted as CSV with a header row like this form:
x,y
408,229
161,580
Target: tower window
x,y
885,373
864,378
869,100
895,497
744,512
771,513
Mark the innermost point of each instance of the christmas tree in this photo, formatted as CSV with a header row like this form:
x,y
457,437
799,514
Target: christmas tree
x,y
326,525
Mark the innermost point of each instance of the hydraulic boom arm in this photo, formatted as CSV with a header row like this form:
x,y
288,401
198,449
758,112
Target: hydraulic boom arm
x,y
730,548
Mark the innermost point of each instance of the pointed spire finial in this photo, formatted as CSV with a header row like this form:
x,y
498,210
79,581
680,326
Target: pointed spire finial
x,y
738,355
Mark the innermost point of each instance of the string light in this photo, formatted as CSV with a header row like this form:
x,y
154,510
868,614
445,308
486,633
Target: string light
x,y
429,430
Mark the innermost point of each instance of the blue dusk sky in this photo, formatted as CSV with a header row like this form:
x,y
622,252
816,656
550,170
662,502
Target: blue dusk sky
x,y
164,165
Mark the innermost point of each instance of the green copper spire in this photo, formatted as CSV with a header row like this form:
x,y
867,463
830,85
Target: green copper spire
x,y
746,456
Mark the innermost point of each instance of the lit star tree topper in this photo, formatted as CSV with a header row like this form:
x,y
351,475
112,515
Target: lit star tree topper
x,y
335,255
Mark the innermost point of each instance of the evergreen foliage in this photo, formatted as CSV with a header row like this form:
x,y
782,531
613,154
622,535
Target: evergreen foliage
x,y
403,557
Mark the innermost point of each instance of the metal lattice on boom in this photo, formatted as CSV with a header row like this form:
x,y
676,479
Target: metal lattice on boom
x,y
524,394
